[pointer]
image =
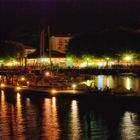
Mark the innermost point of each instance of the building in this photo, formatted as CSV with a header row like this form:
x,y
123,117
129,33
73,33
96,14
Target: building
x,y
57,58
59,43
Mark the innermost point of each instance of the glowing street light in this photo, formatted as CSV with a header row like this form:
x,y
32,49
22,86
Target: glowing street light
x,y
74,86
70,61
87,58
128,56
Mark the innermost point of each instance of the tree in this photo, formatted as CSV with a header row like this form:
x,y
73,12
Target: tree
x,y
9,49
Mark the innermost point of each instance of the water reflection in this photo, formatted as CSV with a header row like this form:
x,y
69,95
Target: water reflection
x,y
59,118
55,118
3,115
2,102
114,81
50,125
129,126
31,110
19,118
75,123
128,83
11,119
100,82
103,81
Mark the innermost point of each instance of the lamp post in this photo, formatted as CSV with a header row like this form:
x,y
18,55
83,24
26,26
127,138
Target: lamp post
x,y
128,58
87,58
107,61
50,48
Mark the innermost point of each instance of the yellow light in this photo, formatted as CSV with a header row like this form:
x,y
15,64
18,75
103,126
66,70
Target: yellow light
x,y
44,59
107,58
53,101
9,64
84,64
2,85
100,64
22,78
69,59
74,86
15,62
53,91
18,88
128,58
18,96
128,83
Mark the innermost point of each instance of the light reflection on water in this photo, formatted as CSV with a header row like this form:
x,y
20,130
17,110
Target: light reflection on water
x,y
3,115
128,83
11,118
75,122
129,126
50,125
54,118
19,129
101,81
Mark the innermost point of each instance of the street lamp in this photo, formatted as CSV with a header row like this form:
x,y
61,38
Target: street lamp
x,y
107,60
128,57
87,58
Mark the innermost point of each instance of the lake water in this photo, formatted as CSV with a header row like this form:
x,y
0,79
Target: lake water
x,y
42,118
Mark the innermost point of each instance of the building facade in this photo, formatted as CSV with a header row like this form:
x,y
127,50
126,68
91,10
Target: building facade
x,y
59,43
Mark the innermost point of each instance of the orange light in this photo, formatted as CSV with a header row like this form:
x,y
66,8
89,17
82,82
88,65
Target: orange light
x,y
47,74
22,78
53,91
2,85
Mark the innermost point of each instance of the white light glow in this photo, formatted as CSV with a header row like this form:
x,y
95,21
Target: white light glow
x,y
128,83
74,86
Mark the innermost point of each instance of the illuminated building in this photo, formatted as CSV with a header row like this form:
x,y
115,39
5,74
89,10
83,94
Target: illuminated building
x,y
59,43
58,46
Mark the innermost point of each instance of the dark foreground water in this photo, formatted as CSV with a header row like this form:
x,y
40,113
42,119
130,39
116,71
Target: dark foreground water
x,y
42,118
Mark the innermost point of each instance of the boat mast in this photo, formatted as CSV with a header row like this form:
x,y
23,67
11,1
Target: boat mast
x,y
50,49
42,43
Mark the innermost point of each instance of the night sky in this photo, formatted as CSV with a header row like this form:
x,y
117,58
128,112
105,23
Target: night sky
x,y
67,16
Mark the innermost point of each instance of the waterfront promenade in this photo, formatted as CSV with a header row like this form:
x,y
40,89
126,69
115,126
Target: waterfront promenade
x,y
108,71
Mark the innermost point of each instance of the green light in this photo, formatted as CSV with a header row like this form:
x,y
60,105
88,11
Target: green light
x,y
69,59
128,58
107,58
87,57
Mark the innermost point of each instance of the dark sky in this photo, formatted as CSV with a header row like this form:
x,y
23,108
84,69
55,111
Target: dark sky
x,y
67,16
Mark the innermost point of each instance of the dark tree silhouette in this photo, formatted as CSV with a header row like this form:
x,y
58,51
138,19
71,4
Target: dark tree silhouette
x,y
9,49
111,43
